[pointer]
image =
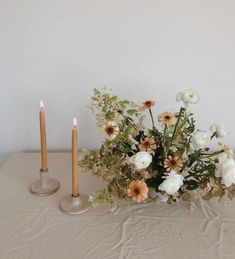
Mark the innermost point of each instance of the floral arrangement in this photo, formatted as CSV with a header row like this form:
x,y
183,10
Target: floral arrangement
x,y
166,162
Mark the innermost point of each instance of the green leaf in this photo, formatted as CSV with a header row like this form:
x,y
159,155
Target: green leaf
x,y
131,112
192,185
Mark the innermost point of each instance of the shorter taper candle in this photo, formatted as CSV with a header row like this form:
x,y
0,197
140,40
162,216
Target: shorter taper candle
x,y
43,138
75,191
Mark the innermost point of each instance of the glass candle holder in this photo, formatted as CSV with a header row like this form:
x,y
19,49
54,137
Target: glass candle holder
x,y
75,205
45,185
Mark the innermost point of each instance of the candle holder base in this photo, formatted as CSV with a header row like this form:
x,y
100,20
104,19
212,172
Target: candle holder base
x,y
75,205
44,186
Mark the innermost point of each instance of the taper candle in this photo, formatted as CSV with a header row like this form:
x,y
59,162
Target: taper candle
x,y
43,138
75,191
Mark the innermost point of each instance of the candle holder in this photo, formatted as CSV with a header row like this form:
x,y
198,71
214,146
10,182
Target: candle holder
x,y
75,205
45,185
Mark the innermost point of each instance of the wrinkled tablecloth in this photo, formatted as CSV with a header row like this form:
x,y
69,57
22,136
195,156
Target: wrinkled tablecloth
x,y
34,227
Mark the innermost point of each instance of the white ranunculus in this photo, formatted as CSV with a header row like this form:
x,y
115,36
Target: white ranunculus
x,y
199,139
222,157
187,97
228,172
142,160
190,96
219,129
179,97
224,161
172,183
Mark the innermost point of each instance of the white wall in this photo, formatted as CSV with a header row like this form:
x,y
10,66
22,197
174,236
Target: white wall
x,y
59,50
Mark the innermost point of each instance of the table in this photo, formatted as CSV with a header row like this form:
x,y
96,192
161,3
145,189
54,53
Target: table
x,y
34,227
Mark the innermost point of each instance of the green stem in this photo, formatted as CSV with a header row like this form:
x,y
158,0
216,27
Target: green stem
x,y
188,144
181,126
124,145
187,176
212,154
205,155
125,117
176,125
164,137
151,115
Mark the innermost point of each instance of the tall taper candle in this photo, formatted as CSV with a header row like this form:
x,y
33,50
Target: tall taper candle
x,y
43,138
75,191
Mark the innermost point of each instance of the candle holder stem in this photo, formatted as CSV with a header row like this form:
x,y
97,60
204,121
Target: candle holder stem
x,y
45,185
75,205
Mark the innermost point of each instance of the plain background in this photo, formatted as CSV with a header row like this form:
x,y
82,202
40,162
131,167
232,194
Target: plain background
x,y
59,50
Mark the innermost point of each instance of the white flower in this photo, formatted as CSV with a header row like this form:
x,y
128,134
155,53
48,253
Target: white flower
x,y
227,153
228,175
222,157
187,97
219,129
226,170
142,160
172,183
199,139
190,96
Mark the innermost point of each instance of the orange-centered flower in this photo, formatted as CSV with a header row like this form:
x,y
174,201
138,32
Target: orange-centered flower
x,y
138,190
167,118
173,163
111,129
148,104
148,144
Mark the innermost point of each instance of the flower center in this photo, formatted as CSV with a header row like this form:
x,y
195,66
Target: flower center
x,y
146,144
167,117
109,130
136,191
173,162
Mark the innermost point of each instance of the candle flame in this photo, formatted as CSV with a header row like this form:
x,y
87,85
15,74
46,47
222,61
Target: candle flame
x,y
41,105
75,122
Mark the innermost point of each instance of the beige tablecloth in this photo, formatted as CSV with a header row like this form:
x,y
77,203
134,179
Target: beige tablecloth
x,y
33,227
